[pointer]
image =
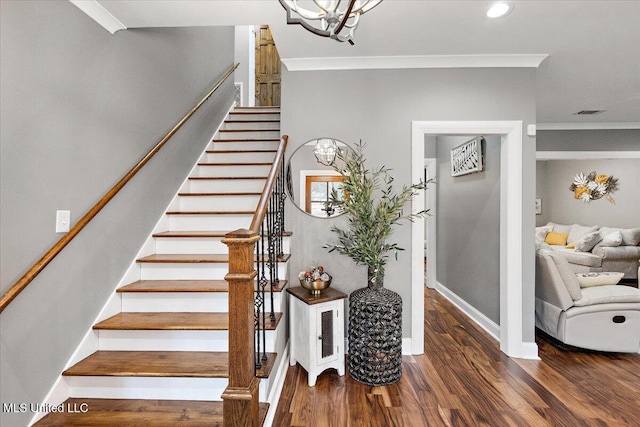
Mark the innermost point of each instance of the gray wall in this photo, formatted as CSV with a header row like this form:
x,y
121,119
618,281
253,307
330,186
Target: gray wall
x,y
560,206
468,246
589,140
79,108
378,106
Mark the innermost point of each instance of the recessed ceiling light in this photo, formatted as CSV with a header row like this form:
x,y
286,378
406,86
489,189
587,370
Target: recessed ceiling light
x,y
499,9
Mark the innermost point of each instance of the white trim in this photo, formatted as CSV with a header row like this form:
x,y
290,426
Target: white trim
x,y
586,155
304,173
491,327
511,210
587,126
278,384
432,205
407,347
414,61
98,13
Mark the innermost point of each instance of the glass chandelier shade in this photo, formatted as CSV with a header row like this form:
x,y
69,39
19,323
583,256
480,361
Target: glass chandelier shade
x,y
325,17
325,151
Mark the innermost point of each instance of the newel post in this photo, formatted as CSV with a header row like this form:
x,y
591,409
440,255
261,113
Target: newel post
x,y
240,399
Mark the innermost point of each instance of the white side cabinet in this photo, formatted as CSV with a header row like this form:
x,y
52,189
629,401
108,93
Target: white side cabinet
x,y
317,331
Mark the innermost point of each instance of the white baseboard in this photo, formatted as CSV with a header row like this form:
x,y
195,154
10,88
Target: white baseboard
x,y
530,351
278,384
483,321
406,347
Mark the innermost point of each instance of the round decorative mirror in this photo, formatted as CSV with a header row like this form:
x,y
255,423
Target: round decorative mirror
x,y
312,177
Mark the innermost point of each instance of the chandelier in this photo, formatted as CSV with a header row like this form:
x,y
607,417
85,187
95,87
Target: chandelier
x,y
325,151
324,17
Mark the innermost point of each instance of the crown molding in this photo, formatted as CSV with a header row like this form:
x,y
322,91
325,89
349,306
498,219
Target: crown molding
x,y
423,61
98,13
587,126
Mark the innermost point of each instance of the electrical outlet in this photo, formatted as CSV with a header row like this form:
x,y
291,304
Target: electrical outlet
x,y
63,221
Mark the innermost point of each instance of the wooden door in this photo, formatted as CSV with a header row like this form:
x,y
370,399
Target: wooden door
x,y
267,69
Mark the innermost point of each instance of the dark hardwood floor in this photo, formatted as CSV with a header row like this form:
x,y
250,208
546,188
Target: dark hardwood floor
x,y
464,380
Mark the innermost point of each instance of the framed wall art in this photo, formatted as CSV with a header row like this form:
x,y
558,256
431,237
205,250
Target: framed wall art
x,y
466,158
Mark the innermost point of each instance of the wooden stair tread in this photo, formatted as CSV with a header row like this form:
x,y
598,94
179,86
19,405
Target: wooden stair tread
x,y
255,121
236,164
248,193
210,213
247,139
142,412
202,178
249,130
241,151
185,286
195,258
203,234
171,321
160,364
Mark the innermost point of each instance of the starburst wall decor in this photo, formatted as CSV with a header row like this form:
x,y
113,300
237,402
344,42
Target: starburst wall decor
x,y
593,187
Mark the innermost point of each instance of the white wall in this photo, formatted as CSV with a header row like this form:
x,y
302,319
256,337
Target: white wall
x,y
560,206
245,56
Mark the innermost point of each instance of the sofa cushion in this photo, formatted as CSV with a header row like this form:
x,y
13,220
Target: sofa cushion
x,y
607,295
560,228
568,277
587,280
581,258
608,230
612,239
588,242
630,236
622,253
541,233
556,238
578,231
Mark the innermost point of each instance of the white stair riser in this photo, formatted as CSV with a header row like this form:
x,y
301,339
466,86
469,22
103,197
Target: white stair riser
x,y
146,388
195,271
274,109
199,245
209,222
180,302
246,124
232,170
172,340
270,144
212,203
238,157
223,186
252,117
248,134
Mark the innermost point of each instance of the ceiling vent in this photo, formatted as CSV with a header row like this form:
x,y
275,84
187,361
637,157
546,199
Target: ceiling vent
x,y
588,112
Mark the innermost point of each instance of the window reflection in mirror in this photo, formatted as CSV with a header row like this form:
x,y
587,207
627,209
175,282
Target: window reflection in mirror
x,y
310,183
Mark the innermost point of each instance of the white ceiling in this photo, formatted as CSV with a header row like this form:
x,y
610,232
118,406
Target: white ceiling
x,y
593,47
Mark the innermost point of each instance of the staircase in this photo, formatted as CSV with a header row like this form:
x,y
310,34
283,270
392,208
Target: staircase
x,y
163,358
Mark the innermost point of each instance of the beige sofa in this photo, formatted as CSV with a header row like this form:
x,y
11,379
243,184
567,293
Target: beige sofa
x,y
623,257
604,318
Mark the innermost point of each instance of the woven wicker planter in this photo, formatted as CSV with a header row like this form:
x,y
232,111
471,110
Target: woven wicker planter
x,y
375,336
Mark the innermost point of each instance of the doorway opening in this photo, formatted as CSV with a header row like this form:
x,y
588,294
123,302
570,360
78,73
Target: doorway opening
x,y
511,238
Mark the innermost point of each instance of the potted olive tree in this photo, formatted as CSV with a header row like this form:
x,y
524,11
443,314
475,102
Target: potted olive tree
x,y
372,208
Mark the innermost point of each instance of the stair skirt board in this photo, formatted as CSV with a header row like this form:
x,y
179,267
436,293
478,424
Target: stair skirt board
x,y
177,302
221,149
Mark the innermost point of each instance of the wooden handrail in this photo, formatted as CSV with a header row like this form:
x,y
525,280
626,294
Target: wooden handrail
x,y
268,186
21,284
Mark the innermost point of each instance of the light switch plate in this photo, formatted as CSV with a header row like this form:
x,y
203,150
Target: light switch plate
x,y
63,221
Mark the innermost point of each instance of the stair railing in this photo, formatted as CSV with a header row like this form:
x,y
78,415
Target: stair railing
x,y
253,271
37,268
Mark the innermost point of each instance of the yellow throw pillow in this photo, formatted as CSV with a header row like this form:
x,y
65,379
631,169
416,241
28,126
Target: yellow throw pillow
x,y
571,245
555,238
